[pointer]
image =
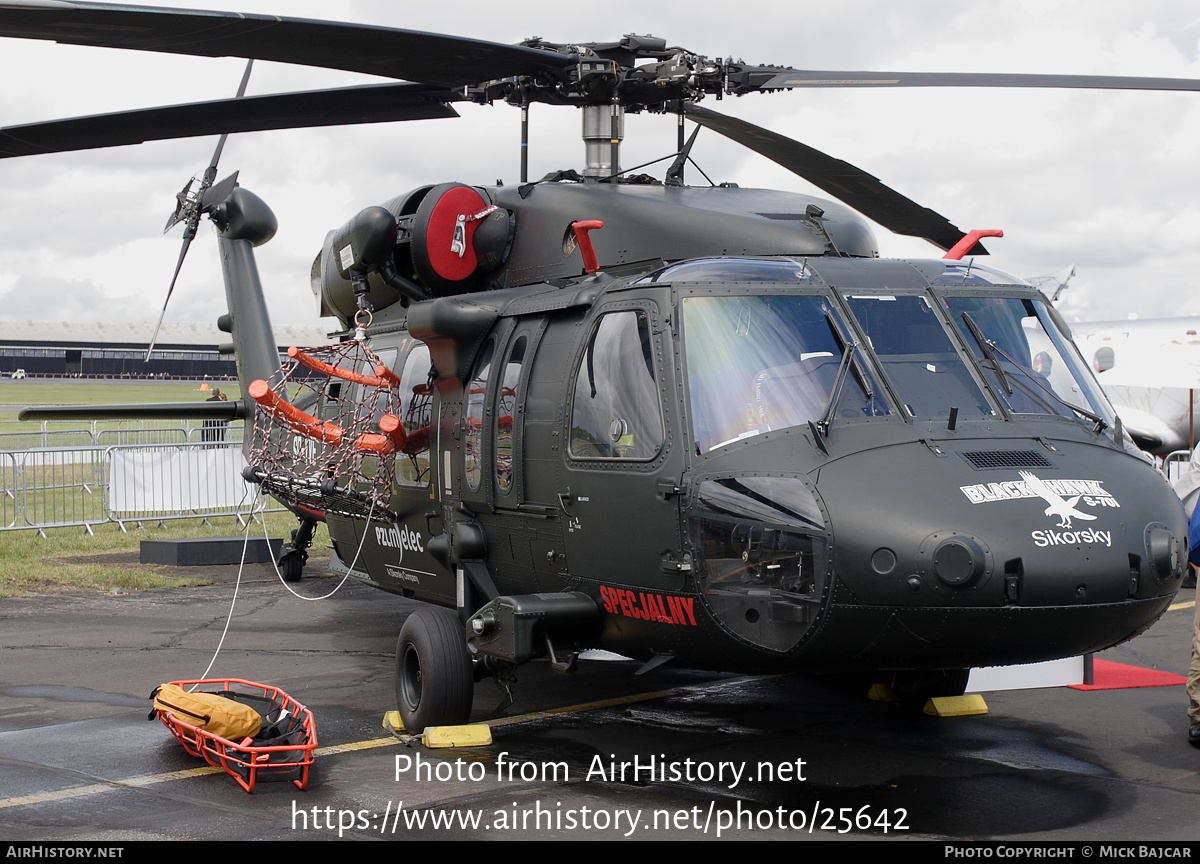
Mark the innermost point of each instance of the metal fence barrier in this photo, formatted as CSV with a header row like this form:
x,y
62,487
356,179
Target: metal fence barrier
x,y
98,483
1176,463
106,432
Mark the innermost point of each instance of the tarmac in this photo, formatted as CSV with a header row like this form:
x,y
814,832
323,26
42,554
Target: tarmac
x,y
598,754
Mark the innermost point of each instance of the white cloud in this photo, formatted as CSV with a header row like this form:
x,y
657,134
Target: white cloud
x,y
1096,178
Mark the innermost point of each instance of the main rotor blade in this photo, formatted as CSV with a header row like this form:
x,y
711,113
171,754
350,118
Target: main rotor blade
x,y
851,185
373,103
430,58
820,78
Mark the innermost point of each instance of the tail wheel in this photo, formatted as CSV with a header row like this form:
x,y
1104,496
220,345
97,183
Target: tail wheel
x,y
292,568
434,680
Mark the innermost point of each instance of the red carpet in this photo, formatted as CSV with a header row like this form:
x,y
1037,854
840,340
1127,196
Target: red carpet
x,y
1118,676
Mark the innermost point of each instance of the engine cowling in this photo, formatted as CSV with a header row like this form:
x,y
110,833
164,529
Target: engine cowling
x,y
435,241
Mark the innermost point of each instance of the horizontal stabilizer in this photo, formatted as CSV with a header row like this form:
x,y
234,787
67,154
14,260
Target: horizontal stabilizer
x,y
232,410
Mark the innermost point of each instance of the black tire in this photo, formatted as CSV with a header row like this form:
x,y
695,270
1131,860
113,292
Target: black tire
x,y
914,689
292,568
435,684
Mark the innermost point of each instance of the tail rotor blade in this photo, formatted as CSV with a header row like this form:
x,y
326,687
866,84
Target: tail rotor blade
x,y
188,234
190,208
211,173
181,204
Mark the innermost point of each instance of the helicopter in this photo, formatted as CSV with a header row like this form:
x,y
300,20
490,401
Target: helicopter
x,y
700,425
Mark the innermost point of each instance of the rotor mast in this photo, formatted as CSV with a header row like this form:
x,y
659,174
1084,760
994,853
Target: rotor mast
x,y
603,131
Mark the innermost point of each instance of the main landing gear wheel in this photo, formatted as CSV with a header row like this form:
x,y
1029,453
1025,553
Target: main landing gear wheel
x,y
435,683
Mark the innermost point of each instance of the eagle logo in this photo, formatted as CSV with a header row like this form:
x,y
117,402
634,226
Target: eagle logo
x,y
1063,508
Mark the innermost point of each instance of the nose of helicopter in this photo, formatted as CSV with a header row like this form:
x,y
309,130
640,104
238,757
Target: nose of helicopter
x,y
994,553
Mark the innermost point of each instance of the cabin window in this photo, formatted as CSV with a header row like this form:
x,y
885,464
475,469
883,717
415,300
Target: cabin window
x,y
476,398
364,395
387,357
416,411
761,363
616,412
507,413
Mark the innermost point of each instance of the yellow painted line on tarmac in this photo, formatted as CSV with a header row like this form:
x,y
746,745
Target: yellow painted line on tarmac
x,y
151,779
1186,604
368,744
106,786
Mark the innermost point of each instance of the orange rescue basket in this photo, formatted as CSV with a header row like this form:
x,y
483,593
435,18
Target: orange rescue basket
x,y
283,749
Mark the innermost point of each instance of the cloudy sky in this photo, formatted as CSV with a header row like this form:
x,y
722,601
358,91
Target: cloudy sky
x,y
1105,181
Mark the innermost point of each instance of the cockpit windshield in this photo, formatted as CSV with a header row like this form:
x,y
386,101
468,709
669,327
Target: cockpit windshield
x,y
946,343
1030,364
757,363
928,372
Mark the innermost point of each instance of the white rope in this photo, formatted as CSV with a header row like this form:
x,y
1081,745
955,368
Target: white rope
x,y
338,587
259,507
237,584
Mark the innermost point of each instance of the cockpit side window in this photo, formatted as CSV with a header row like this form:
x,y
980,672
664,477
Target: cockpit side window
x,y
758,363
616,411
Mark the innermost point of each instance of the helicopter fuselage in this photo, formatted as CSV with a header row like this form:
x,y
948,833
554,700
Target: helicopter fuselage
x,y
801,461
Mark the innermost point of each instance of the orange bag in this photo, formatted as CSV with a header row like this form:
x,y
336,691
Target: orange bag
x,y
215,714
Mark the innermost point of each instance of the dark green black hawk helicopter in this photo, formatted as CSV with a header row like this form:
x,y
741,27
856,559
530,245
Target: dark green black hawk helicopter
x,y
601,409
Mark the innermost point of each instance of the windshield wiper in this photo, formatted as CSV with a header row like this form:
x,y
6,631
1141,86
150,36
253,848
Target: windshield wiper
x,y
838,387
990,349
986,347
847,365
844,345
1037,379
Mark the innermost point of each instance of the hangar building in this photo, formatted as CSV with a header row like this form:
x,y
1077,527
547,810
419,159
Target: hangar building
x,y
93,350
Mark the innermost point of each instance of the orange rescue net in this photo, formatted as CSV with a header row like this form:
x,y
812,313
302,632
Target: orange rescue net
x,y
327,431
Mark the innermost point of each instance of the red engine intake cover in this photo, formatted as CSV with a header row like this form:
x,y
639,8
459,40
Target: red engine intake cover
x,y
443,231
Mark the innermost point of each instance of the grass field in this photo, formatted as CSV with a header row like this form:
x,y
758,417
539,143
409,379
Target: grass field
x,y
15,395
73,391
63,559
33,564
